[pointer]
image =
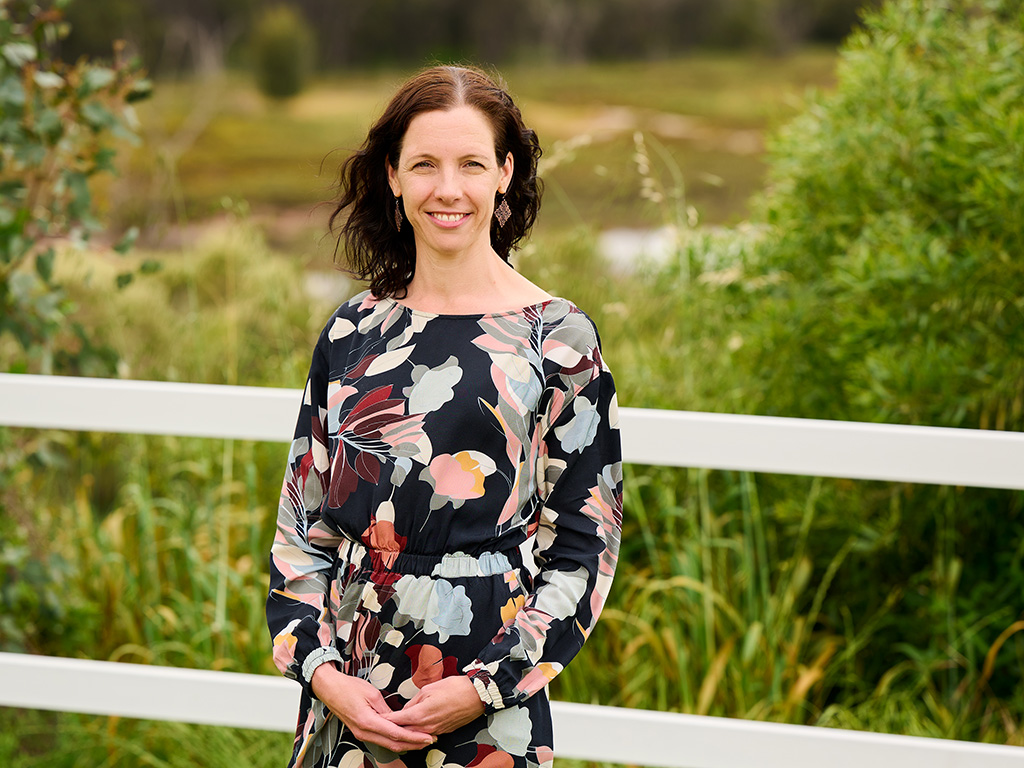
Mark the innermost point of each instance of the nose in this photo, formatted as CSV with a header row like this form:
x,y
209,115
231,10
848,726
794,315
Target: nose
x,y
448,186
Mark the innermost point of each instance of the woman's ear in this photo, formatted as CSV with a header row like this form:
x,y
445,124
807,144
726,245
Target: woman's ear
x,y
505,179
396,188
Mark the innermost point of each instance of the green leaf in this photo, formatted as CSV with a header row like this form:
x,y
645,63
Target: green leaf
x,y
126,242
98,116
44,264
95,78
141,89
81,201
7,216
48,125
150,266
18,54
103,160
10,130
48,79
124,279
119,131
12,93
30,155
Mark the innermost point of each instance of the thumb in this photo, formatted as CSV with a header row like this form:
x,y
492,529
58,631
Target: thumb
x,y
405,716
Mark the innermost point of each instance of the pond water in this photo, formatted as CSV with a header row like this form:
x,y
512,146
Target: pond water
x,y
625,248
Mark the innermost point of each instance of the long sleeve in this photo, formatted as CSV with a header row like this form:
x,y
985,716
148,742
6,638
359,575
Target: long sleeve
x,y
304,546
577,541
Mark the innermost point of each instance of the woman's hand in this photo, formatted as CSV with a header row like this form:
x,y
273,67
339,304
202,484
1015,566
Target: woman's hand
x,y
441,707
361,707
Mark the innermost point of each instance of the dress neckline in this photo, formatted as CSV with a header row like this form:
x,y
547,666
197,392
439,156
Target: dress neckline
x,y
539,305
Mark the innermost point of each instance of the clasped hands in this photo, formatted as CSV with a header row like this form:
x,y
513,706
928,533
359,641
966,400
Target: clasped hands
x,y
439,707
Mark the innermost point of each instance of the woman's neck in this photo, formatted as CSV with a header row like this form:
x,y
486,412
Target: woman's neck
x,y
462,284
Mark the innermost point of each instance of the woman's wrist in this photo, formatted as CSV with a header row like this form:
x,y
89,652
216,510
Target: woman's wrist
x,y
318,658
323,675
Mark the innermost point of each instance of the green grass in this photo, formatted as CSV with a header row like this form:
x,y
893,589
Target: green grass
x,y
31,738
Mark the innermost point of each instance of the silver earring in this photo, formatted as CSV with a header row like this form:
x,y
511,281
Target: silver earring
x,y
503,213
398,213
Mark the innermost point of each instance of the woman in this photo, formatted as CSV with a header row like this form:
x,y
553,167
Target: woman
x,y
455,414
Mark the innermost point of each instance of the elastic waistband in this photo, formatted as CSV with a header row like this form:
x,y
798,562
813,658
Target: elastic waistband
x,y
449,565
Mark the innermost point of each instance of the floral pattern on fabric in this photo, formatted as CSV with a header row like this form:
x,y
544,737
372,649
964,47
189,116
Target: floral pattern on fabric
x,y
430,451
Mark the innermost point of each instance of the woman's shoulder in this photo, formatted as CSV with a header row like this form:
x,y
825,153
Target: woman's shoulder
x,y
567,325
349,316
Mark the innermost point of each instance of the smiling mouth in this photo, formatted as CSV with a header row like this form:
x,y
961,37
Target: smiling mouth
x,y
449,218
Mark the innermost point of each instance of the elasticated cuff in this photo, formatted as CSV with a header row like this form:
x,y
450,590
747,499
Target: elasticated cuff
x,y
486,688
314,660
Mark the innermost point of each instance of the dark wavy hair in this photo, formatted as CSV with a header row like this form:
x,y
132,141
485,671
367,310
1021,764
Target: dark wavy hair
x,y
375,250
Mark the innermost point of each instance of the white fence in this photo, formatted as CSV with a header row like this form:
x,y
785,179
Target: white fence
x,y
714,441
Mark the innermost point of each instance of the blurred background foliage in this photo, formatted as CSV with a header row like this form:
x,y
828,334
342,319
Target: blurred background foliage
x,y
875,275
58,123
176,35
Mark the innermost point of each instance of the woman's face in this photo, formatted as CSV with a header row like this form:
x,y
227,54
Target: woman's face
x,y
447,177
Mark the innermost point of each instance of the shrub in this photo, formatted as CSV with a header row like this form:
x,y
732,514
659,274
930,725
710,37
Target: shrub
x,y
898,208
282,47
896,222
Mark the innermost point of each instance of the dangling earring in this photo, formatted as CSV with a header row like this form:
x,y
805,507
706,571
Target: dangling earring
x,y
503,213
398,213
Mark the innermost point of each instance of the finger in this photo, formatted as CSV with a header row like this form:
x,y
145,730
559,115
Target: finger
x,y
392,744
409,716
392,730
399,745
395,745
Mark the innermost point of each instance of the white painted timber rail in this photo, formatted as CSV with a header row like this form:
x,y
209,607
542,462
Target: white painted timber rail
x,y
611,734
814,447
583,731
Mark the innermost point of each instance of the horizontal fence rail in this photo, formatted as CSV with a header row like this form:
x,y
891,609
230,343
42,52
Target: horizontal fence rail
x,y
856,450
668,438
583,731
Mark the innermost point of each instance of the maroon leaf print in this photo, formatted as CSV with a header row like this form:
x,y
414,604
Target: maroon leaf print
x,y
360,431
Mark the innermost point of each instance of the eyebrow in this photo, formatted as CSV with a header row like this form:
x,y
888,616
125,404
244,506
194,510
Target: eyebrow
x,y
429,156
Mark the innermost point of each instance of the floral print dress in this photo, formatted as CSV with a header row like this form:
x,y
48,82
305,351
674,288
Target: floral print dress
x,y
452,505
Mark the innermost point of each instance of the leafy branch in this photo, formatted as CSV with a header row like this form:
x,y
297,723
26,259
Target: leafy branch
x,y
58,123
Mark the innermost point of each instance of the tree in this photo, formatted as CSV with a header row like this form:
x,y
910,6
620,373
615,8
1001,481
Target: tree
x,y
281,52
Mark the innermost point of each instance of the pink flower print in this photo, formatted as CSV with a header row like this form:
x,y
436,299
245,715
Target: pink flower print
x,y
457,477
538,677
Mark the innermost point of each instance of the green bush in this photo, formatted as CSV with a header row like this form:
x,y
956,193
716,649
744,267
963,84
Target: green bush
x,y
898,207
894,291
282,46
